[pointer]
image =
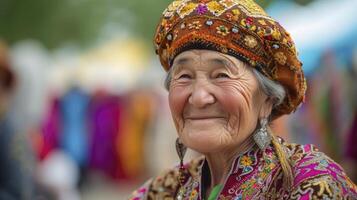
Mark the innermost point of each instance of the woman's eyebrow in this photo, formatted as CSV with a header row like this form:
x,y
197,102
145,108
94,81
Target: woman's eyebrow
x,y
225,63
179,64
180,61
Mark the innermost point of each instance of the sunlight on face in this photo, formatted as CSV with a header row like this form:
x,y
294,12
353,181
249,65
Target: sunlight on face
x,y
215,100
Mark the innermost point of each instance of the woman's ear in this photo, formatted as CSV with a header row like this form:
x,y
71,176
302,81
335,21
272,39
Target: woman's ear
x,y
266,108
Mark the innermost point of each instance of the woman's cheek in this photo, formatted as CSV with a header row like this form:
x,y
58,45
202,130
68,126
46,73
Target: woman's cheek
x,y
235,105
177,98
232,104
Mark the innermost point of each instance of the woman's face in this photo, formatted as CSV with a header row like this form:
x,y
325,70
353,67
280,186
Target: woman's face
x,y
215,100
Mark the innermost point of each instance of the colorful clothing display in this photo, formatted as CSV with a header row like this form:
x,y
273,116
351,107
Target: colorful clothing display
x,y
100,131
257,174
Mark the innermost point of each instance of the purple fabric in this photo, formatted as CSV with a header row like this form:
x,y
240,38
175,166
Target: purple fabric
x,y
104,126
50,129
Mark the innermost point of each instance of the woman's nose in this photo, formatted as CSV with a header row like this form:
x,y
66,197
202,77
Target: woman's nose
x,y
201,96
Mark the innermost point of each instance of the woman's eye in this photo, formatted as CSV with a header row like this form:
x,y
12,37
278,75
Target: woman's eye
x,y
184,76
222,75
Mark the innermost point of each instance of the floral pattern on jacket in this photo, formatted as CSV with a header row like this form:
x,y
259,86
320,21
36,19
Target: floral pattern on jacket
x,y
258,175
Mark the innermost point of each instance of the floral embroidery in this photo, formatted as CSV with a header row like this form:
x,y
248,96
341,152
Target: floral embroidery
x,y
201,9
229,16
261,32
252,9
236,14
280,58
262,22
227,3
246,161
174,5
194,25
276,34
216,8
175,34
223,30
167,26
164,24
285,41
187,9
193,195
250,41
248,24
168,14
267,33
170,11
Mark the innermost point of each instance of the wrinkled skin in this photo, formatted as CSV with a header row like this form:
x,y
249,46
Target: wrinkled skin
x,y
216,101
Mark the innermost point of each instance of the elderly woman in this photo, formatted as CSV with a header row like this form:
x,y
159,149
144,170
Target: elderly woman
x,y
232,69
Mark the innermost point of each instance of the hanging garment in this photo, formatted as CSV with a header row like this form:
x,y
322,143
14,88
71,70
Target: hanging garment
x,y
104,113
51,128
74,133
135,123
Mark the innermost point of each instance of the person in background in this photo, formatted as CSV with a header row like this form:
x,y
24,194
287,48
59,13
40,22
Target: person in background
x,y
16,160
231,71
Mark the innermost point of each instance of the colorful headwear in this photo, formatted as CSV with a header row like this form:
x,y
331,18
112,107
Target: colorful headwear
x,y
240,28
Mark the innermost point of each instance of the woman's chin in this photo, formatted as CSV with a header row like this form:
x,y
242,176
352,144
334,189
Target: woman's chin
x,y
203,141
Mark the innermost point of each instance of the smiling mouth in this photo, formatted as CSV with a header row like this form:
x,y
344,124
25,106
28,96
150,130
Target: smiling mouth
x,y
203,118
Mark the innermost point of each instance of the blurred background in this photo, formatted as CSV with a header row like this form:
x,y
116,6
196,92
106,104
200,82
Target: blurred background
x,y
83,110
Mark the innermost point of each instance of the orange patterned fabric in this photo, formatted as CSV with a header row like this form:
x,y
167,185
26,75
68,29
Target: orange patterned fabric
x,y
240,28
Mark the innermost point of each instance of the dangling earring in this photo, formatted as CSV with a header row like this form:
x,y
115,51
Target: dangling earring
x,y
181,151
262,137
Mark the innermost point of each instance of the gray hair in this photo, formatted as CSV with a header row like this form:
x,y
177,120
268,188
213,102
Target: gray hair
x,y
272,89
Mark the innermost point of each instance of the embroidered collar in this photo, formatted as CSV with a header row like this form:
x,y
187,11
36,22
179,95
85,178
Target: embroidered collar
x,y
248,174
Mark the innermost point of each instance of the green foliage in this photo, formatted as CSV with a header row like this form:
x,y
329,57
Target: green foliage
x,y
54,22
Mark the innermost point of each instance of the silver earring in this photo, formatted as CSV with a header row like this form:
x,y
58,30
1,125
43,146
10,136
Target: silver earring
x,y
262,137
181,151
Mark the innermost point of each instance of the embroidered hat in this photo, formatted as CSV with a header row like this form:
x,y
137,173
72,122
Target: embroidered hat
x,y
240,28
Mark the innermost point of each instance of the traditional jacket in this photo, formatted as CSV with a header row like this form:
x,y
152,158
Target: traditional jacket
x,y
257,174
